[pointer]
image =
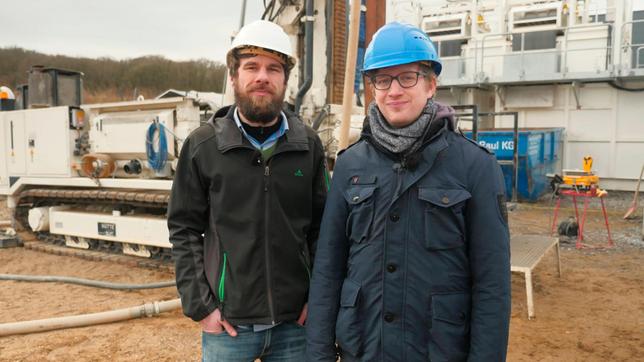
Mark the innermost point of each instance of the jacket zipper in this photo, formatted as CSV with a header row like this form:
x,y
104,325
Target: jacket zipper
x,y
222,282
306,266
269,292
399,179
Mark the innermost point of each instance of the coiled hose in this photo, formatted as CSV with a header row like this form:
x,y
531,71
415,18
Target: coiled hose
x,y
158,158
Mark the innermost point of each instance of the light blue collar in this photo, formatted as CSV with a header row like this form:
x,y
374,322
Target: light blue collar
x,y
270,141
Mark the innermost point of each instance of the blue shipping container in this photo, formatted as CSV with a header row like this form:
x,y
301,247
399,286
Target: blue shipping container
x,y
540,151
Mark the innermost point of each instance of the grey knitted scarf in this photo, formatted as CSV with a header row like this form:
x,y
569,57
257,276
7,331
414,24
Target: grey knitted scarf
x,y
405,140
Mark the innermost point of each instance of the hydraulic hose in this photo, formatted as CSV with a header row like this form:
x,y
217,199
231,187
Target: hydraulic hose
x,y
83,320
621,87
320,118
85,282
156,158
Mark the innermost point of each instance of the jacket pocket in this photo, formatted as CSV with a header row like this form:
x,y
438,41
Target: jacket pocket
x,y
444,220
348,331
450,327
361,203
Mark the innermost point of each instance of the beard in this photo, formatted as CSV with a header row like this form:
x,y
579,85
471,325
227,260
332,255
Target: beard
x,y
262,110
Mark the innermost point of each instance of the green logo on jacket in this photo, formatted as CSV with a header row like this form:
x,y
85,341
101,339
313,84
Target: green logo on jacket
x,y
299,173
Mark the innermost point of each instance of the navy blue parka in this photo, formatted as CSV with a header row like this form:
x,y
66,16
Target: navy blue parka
x,y
413,259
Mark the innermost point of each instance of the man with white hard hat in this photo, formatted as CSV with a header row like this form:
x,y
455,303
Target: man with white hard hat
x,y
245,210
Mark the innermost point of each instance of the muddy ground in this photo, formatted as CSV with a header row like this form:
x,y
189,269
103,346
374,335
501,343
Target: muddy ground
x,y
594,312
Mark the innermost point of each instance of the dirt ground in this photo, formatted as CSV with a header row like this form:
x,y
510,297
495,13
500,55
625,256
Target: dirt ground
x,y
594,312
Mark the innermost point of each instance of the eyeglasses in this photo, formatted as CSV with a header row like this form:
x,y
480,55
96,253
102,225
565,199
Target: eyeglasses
x,y
405,79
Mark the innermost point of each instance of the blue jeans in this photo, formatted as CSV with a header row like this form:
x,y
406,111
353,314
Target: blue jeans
x,y
284,343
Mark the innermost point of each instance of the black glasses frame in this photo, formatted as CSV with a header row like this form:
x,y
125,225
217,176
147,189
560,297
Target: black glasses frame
x,y
390,80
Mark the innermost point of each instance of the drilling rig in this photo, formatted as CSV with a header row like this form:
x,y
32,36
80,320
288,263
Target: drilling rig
x,y
98,176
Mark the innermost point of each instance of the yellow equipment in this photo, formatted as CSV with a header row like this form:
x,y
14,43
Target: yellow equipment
x,y
581,179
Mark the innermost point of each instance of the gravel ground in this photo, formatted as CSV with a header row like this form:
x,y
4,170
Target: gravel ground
x,y
594,312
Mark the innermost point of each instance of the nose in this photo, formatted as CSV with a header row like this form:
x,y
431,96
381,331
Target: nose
x,y
395,89
262,75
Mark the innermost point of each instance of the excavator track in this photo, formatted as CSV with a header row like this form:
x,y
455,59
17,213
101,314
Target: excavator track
x,y
127,201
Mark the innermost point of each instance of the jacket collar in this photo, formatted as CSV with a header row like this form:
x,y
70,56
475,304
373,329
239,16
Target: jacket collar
x,y
437,130
229,136
435,142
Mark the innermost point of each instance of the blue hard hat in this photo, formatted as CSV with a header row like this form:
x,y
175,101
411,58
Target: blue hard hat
x,y
399,43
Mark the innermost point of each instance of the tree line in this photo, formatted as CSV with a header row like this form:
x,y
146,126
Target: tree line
x,y
107,79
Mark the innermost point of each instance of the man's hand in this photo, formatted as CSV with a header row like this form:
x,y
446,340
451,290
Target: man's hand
x,y
302,319
216,325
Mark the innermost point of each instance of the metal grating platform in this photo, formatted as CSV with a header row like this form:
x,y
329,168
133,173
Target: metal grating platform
x,y
526,252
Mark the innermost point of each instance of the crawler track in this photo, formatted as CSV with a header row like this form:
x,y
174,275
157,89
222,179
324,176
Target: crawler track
x,y
126,201
157,264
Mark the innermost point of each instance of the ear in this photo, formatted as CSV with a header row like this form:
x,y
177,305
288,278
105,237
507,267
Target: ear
x,y
430,86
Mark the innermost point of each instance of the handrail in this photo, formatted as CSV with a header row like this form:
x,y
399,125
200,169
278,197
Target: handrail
x,y
613,64
564,62
479,68
637,56
625,46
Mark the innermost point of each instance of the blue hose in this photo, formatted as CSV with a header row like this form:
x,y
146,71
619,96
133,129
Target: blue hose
x,y
156,159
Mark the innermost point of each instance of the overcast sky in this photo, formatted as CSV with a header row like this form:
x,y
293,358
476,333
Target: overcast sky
x,y
178,30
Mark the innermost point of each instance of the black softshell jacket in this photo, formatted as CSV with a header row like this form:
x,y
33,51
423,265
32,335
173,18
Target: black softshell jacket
x,y
243,230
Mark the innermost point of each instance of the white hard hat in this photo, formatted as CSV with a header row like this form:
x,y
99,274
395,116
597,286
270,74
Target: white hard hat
x,y
266,35
6,93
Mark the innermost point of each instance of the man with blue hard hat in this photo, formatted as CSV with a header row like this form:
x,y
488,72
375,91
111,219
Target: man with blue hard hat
x,y
413,258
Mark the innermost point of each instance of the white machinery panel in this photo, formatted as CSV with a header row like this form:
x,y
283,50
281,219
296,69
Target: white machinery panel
x,y
586,49
582,49
530,97
601,153
545,118
453,69
143,230
36,142
544,16
607,126
629,159
14,142
48,152
593,96
590,125
447,26
527,65
488,61
631,119
4,154
125,132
